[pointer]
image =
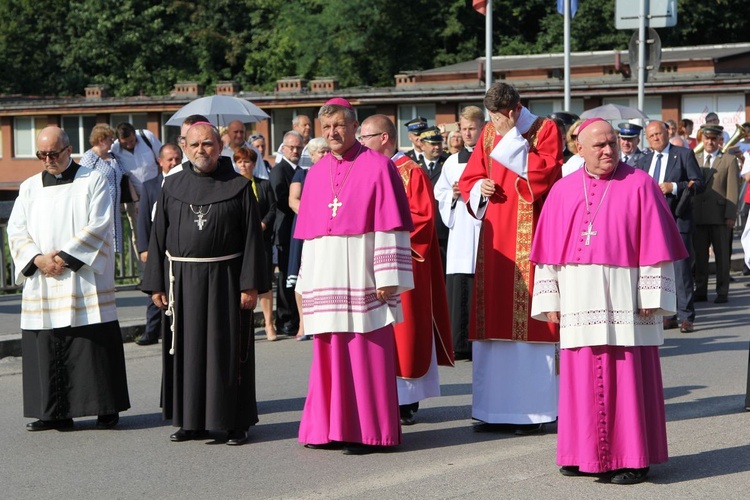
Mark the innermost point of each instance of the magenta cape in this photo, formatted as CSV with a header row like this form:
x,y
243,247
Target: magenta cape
x,y
372,196
634,225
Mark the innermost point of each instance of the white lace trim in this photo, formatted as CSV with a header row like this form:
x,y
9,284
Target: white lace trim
x,y
546,287
657,283
602,316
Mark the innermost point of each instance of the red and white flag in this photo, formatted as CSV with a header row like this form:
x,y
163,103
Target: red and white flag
x,y
480,6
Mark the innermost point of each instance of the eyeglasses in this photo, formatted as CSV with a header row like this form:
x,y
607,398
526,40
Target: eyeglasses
x,y
52,155
363,138
294,147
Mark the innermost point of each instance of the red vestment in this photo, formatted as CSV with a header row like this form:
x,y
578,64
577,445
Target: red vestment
x,y
504,277
425,307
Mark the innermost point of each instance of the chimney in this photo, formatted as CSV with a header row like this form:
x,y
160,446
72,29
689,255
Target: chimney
x,y
95,91
324,84
187,89
294,84
227,88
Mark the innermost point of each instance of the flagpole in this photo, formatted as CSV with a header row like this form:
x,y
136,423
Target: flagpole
x,y
488,47
566,56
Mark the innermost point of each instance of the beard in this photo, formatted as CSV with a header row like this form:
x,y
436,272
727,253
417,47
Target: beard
x,y
204,164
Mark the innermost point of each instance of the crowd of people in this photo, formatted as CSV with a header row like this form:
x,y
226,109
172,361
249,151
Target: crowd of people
x,y
474,245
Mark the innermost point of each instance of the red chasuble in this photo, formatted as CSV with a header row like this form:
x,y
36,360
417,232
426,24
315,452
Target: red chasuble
x,y
425,307
504,276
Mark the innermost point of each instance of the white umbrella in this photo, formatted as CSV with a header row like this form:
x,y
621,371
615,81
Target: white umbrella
x,y
220,110
614,112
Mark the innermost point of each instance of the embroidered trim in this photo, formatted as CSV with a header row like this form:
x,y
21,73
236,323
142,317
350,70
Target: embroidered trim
x,y
522,277
546,287
603,316
657,283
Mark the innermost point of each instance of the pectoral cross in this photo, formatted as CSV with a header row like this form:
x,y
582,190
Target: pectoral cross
x,y
588,234
200,221
334,206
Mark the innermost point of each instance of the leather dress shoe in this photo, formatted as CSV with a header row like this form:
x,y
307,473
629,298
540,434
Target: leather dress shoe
x,y
107,421
670,323
143,340
687,327
361,449
187,435
46,425
630,476
721,299
236,438
700,298
332,445
529,429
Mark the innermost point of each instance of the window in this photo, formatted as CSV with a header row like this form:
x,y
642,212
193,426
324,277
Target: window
x,y
408,112
24,137
546,107
170,133
78,128
139,121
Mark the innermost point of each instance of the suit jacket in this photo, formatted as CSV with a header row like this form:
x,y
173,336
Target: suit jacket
x,y
434,175
719,201
267,206
149,193
281,178
681,168
634,157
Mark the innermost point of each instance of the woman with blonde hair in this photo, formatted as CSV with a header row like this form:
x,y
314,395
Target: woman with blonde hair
x,y
100,159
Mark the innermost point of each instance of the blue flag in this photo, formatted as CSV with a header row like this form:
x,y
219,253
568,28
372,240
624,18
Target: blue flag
x,y
573,7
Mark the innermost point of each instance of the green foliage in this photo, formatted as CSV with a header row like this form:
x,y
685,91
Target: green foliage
x,y
144,47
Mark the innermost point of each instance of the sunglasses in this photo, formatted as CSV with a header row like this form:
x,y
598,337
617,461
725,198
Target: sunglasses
x,y
52,155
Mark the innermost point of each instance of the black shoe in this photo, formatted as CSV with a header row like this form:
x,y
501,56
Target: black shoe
x,y
186,435
574,471
107,421
499,428
721,299
700,298
458,356
630,476
143,340
46,425
408,420
360,449
670,323
333,445
236,438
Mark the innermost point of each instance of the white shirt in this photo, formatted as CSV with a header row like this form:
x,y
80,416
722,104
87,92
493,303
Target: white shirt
x,y
304,161
141,164
663,167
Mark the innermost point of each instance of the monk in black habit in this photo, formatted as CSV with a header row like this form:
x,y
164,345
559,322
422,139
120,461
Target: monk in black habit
x,y
207,239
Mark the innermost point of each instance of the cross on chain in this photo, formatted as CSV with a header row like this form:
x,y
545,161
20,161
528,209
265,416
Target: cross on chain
x,y
588,234
334,206
200,221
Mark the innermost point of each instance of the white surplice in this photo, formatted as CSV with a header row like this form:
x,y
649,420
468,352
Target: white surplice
x,y
599,304
79,298
336,301
463,236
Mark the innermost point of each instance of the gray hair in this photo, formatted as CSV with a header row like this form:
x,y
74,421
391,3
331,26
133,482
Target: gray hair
x,y
317,144
293,133
331,109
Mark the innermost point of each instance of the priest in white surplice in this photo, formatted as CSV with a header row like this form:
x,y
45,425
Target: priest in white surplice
x,y
463,235
604,252
60,236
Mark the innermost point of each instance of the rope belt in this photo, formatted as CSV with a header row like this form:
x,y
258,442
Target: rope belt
x,y
170,302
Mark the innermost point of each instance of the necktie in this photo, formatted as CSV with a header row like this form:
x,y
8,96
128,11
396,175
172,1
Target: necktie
x,y
707,162
432,164
625,159
657,168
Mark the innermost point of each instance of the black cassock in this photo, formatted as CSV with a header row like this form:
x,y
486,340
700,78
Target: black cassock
x,y
209,382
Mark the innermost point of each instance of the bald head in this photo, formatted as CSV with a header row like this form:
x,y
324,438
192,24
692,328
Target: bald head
x,y
236,132
379,134
203,147
53,148
597,144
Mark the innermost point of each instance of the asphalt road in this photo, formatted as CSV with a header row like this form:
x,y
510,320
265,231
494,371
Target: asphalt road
x,y
441,457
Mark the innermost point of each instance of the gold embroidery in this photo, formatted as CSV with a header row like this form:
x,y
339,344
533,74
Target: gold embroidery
x,y
522,276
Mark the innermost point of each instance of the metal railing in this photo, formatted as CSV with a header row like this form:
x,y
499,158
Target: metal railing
x,y
126,266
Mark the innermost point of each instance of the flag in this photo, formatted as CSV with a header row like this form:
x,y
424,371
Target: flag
x,y
481,6
560,7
